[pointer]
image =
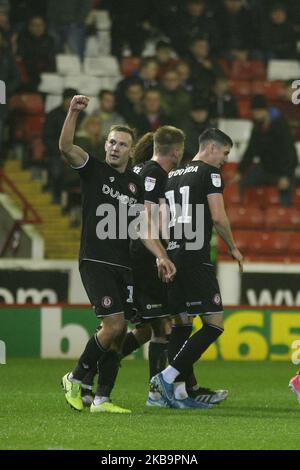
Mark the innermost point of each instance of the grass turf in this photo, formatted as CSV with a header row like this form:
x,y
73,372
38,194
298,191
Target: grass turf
x,y
260,413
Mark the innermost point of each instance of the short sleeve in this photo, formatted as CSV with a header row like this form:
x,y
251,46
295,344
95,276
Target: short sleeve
x,y
88,169
154,184
215,183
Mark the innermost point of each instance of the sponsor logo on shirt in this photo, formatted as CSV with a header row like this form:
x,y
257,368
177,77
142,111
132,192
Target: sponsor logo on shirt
x,y
123,198
216,180
150,183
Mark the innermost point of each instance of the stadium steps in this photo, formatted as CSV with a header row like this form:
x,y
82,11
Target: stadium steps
x,y
61,241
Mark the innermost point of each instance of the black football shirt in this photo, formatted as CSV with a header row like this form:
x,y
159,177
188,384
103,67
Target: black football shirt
x,y
108,202
187,193
154,178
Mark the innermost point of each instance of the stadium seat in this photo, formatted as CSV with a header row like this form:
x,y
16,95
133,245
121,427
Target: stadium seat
x,y
93,105
297,197
129,65
242,217
37,149
240,88
232,195
52,101
255,197
68,64
238,129
294,244
229,170
101,66
73,81
243,239
271,89
271,196
244,107
269,243
282,218
103,21
27,103
283,69
51,83
248,70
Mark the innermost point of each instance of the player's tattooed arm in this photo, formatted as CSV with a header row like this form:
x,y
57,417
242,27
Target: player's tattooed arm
x,y
74,154
222,225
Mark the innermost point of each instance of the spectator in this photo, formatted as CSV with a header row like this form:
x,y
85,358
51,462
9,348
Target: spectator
x,y
193,125
290,111
271,141
236,30
205,69
223,103
131,106
175,99
128,25
153,114
52,129
195,20
91,137
67,24
10,76
107,111
279,39
185,76
36,49
146,77
165,58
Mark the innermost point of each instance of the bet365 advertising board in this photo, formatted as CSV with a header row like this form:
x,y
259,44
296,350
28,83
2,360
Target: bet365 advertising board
x,y
251,334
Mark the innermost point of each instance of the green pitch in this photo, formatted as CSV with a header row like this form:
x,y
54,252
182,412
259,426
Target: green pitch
x,y
260,413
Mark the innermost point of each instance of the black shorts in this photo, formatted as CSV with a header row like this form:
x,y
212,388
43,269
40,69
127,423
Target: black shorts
x,y
109,288
195,290
150,293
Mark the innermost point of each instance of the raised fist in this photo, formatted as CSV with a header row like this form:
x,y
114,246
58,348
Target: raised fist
x,y
79,102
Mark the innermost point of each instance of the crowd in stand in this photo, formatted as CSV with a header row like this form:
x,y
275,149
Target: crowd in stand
x,y
185,83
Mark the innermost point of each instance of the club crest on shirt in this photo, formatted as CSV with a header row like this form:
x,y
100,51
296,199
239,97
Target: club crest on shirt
x,y
111,179
216,180
106,302
132,188
150,183
217,299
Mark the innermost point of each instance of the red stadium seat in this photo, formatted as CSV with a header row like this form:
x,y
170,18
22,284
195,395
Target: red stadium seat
x,y
272,196
229,170
244,106
27,103
240,88
271,89
294,244
232,195
248,70
269,243
242,238
245,217
37,149
129,65
282,218
255,196
297,197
